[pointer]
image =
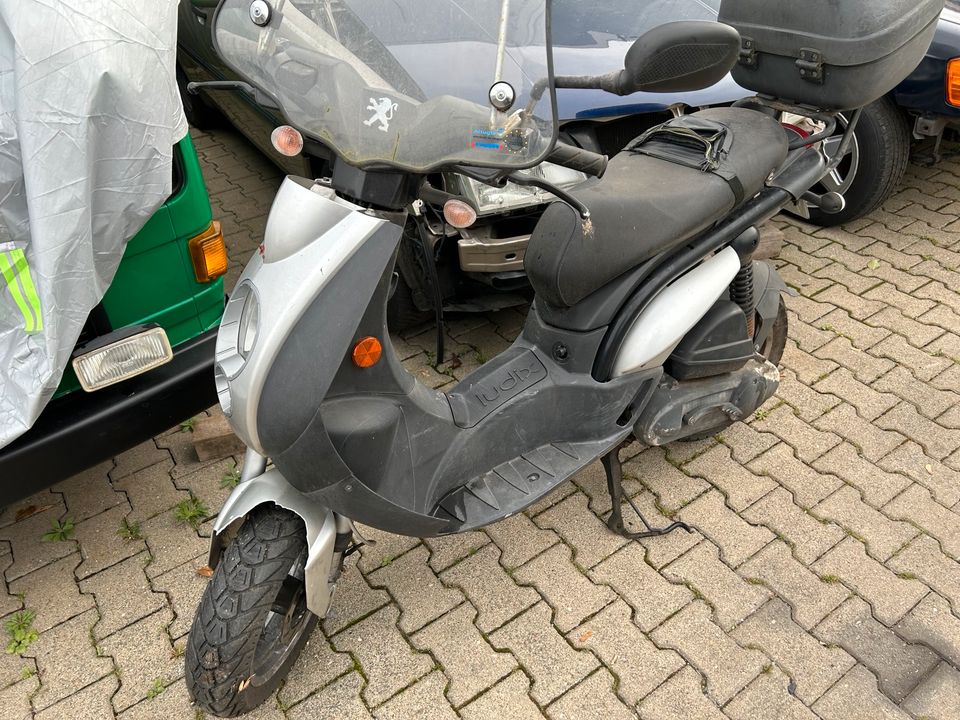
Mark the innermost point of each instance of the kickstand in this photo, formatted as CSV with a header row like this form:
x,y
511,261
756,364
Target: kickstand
x,y
614,470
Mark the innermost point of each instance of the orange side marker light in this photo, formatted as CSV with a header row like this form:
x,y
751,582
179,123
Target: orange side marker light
x,y
367,352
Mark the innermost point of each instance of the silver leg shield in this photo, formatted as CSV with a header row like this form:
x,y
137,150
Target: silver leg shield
x,y
320,522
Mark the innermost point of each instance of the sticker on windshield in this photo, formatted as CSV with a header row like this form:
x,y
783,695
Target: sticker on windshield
x,y
499,139
383,110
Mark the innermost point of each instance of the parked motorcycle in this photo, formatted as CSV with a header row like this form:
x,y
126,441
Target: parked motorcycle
x,y
651,320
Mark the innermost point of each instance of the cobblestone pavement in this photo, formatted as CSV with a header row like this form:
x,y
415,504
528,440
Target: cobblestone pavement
x,y
822,579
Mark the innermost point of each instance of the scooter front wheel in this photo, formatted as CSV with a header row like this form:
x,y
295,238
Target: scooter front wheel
x,y
253,621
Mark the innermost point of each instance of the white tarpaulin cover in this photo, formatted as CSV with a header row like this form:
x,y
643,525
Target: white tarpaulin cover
x,y
89,114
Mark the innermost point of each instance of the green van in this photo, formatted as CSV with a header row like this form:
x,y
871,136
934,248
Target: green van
x,y
169,284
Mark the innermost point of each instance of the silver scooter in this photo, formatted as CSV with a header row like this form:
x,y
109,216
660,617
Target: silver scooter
x,y
651,319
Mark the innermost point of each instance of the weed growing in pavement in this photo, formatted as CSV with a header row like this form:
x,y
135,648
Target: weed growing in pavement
x,y
59,531
191,511
187,425
231,478
27,672
129,530
21,631
762,414
156,687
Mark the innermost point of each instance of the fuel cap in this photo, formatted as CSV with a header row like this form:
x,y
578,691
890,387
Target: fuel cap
x,y
260,12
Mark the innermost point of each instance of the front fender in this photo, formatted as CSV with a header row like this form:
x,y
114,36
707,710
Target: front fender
x,y
320,522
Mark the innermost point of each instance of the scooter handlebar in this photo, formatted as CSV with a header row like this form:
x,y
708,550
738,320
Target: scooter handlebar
x,y
576,158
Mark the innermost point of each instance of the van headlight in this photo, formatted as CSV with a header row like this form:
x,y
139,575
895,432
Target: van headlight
x,y
489,200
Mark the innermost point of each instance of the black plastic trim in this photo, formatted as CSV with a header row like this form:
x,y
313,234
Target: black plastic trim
x,y
81,429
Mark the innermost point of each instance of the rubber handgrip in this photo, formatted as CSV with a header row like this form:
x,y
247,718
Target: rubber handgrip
x,y
576,158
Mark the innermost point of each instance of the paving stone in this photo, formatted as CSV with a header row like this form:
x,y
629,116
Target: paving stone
x,y
807,337
807,486
52,593
651,596
182,587
682,696
551,499
543,653
639,665
122,594
937,292
137,458
807,537
594,697
919,333
807,403
207,481
809,598
813,667
807,442
937,441
28,550
419,593
318,666
808,368
861,335
180,445
449,549
100,545
727,666
746,443
572,596
858,283
174,702
856,697
89,492
171,543
740,486
509,693
143,654
942,481
918,506
340,700
66,660
865,367
882,536
737,539
731,597
933,624
90,703
491,590
12,665
876,486
899,666
386,658
583,531
519,539
467,659
15,699
423,700
673,488
924,559
938,697
151,491
858,307
768,697
354,599
872,441
891,597
387,547
870,401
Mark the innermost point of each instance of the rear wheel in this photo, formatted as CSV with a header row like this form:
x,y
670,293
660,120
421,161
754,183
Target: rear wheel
x,y
253,621
772,350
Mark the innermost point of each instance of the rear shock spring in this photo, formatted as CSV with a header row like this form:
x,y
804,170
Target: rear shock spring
x,y
741,292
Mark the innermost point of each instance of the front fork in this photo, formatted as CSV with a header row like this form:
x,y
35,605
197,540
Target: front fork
x,y
329,535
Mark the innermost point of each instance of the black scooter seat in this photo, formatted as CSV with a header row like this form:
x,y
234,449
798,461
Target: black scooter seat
x,y
645,205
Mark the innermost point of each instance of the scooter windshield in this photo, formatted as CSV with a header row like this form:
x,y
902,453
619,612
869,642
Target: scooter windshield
x,y
414,85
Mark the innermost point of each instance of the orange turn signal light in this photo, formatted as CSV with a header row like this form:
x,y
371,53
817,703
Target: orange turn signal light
x,y
287,140
367,352
208,252
458,213
953,82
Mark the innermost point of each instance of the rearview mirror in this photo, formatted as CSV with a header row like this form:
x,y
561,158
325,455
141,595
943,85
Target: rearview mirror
x,y
680,57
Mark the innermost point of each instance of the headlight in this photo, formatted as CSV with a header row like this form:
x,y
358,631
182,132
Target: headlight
x,y
490,200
